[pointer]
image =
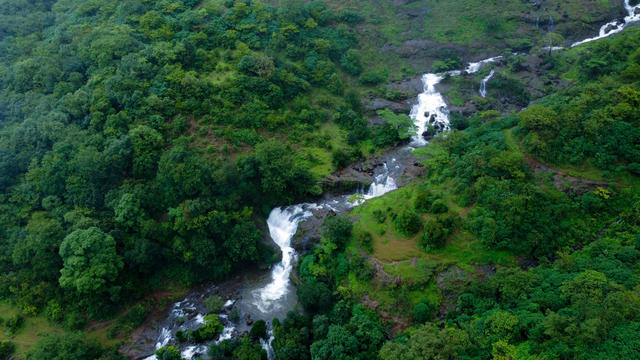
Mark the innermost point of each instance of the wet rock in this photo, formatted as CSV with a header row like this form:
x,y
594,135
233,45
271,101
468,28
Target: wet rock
x,y
376,104
610,28
416,11
249,320
428,135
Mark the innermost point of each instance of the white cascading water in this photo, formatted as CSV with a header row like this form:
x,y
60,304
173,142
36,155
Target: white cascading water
x,y
430,103
615,26
476,66
383,184
283,224
431,107
483,84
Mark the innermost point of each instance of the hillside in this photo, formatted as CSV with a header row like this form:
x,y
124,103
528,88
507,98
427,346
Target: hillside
x,y
174,174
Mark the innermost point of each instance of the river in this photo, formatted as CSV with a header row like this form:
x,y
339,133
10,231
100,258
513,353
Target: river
x,y
265,296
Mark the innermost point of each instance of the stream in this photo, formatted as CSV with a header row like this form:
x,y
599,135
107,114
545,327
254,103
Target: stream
x,y
272,295
265,296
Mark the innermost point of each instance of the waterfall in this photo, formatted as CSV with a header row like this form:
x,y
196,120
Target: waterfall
x,y
483,85
274,296
615,26
383,184
283,224
538,22
431,107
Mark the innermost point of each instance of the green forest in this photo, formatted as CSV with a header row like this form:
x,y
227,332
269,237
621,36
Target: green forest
x,y
144,143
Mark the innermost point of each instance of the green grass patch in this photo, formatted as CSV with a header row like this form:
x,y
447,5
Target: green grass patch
x,y
32,329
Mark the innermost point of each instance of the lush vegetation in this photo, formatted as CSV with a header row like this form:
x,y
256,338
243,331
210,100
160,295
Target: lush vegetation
x,y
424,275
142,144
146,140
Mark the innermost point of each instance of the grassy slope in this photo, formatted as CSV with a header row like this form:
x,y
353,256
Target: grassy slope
x,y
401,257
33,329
480,28
110,333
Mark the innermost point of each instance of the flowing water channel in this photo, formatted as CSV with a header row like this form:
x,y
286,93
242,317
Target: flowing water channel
x,y
265,296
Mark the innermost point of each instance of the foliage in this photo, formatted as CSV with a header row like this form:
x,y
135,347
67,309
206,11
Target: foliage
x,y
337,230
214,303
67,347
6,349
258,330
208,330
152,136
399,122
408,222
426,342
168,353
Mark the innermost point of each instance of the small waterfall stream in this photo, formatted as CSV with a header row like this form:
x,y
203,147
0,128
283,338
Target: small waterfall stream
x,y
615,26
483,84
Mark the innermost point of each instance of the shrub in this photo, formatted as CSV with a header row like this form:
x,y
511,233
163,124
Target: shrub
x,y
168,353
423,199
234,316
181,336
74,321
350,17
14,323
214,303
208,330
373,77
7,348
351,62
366,241
422,312
362,268
135,316
408,222
380,216
433,237
439,207
458,121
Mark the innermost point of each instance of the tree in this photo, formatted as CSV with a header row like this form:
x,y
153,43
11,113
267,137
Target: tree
x,y
242,245
258,65
402,123
426,343
351,62
315,296
91,264
68,347
551,41
434,235
422,312
339,344
407,223
6,349
258,330
168,353
337,230
128,212
146,145
39,249
281,178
